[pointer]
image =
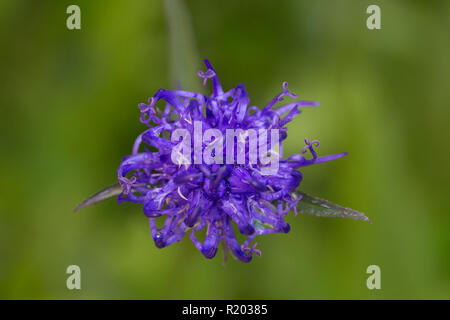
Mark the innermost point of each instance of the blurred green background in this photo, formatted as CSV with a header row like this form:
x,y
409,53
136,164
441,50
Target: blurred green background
x,y
69,113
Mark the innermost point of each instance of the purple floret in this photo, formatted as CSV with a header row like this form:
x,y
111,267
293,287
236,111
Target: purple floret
x,y
223,198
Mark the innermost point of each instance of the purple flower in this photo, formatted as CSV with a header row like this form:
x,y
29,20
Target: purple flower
x,y
222,199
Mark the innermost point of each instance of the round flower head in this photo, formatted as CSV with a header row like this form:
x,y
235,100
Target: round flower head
x,y
247,196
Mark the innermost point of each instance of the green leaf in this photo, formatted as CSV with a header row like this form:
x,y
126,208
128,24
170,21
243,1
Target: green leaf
x,y
323,208
108,192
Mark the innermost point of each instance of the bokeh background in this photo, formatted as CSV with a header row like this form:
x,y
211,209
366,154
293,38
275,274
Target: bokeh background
x,y
69,113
